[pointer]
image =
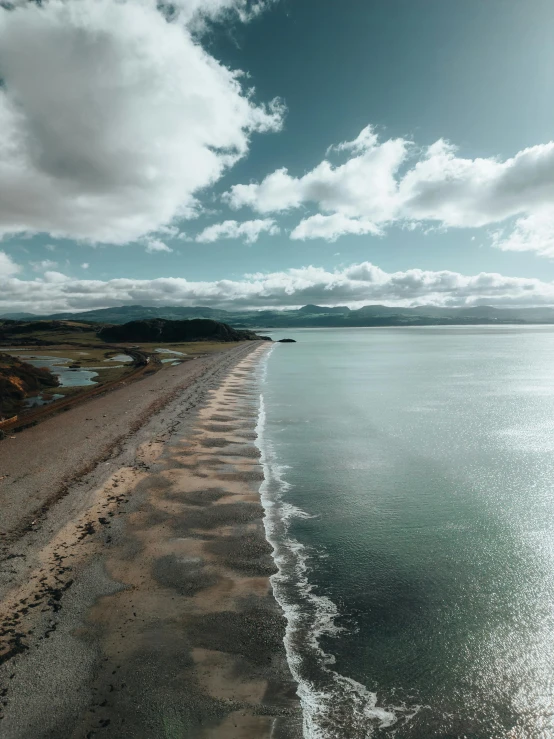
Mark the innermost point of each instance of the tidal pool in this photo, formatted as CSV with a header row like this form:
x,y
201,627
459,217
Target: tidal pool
x,y
39,400
125,358
170,351
59,367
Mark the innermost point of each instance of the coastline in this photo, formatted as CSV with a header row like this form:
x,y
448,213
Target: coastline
x,y
333,704
156,617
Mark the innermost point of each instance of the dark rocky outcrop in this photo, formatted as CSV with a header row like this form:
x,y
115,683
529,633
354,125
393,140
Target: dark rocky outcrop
x,y
287,341
19,380
159,329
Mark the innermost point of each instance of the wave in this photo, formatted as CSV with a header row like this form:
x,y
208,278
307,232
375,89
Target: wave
x,y
333,705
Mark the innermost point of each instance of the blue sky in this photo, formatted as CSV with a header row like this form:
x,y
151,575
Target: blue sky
x,y
123,146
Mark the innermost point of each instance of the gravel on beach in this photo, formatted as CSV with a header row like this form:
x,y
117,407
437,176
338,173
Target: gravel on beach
x,y
134,570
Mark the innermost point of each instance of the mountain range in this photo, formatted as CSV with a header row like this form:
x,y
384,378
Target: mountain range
x,y
309,316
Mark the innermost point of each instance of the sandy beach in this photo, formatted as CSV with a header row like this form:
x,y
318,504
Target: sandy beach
x,y
134,570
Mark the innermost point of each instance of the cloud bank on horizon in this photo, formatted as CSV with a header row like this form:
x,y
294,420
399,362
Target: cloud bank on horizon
x,y
354,286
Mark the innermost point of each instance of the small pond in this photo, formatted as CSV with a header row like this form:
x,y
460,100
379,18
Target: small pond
x,y
125,358
39,400
170,351
59,367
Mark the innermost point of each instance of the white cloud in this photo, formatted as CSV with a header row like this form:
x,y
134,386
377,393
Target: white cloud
x,y
85,265
44,265
534,232
366,139
248,230
277,192
477,192
195,13
363,187
52,277
331,227
154,246
168,231
380,184
119,118
355,285
7,265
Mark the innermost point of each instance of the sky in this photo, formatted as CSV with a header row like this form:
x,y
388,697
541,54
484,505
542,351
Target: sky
x,y
269,153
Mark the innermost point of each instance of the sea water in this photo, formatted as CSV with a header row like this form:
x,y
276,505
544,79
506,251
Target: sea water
x,y
409,496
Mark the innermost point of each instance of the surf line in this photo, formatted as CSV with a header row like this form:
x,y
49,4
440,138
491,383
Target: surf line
x,y
332,704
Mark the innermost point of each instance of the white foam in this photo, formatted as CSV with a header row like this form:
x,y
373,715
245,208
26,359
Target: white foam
x,y
337,705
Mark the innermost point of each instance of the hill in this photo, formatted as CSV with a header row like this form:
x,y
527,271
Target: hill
x,y
39,332
159,329
312,316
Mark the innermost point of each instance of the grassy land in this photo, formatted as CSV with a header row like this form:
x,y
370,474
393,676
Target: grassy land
x,y
80,346
70,344
85,356
55,337
191,349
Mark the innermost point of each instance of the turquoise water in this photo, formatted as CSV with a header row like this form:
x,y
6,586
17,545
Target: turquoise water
x,y
410,498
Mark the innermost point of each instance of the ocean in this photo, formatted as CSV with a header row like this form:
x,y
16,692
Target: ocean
x,y
409,496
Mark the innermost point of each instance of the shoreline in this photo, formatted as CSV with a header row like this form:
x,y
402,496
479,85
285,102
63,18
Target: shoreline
x,y
333,704
157,617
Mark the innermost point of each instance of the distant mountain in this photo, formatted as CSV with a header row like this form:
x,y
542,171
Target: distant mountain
x,y
312,316
126,313
159,329
382,310
18,316
313,310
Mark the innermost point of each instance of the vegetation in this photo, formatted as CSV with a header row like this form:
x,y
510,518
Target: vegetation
x,y
36,333
162,330
84,347
18,381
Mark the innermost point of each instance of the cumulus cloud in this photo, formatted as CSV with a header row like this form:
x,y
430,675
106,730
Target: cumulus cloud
x,y
44,265
381,184
154,246
118,118
355,285
331,227
196,13
365,140
477,192
534,232
247,230
7,265
363,187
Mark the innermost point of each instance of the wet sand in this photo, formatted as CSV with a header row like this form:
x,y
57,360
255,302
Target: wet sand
x,y
140,605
